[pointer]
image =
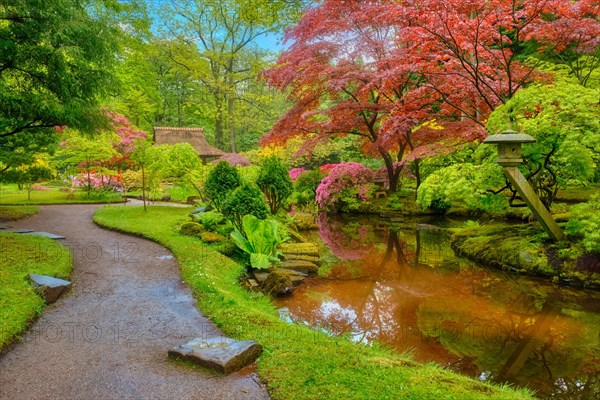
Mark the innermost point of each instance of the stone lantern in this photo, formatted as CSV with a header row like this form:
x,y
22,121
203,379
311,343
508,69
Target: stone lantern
x,y
509,157
509,147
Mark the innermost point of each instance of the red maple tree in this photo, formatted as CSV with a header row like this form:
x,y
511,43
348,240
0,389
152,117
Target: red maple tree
x,y
381,70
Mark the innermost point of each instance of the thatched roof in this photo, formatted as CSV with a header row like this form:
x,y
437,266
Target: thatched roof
x,y
193,136
233,159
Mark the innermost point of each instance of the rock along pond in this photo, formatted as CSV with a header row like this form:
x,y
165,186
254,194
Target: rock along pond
x,y
400,284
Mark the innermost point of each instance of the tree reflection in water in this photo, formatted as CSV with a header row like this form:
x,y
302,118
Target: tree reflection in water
x,y
405,288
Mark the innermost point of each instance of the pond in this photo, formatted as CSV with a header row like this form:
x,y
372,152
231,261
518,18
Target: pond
x,y
399,283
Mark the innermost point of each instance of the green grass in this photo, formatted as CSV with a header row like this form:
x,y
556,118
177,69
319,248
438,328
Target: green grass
x,y
8,213
10,194
21,255
297,362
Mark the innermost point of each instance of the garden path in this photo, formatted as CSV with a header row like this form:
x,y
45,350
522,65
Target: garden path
x,y
108,337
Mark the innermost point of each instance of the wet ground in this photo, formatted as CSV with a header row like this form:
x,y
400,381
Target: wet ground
x,y
108,337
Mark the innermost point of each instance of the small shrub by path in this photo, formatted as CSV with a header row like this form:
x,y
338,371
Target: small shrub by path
x,y
11,213
22,255
297,363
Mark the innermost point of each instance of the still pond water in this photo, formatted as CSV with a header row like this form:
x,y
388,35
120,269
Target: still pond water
x,y
402,285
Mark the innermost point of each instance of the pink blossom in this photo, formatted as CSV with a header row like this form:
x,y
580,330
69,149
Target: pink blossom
x,y
296,172
342,178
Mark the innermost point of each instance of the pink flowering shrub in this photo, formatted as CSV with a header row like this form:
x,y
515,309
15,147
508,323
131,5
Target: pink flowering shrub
x,y
296,172
97,182
346,184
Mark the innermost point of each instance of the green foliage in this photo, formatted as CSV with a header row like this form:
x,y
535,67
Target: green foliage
x,y
210,219
275,183
247,199
585,222
565,119
309,181
26,175
57,59
260,239
221,181
467,184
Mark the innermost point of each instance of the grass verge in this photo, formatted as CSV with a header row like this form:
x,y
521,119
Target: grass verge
x,y
22,255
10,213
297,362
10,194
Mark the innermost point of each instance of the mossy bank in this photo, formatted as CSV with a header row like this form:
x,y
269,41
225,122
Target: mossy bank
x,y
527,249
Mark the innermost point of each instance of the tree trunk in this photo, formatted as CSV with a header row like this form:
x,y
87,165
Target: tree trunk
x,y
393,177
417,171
230,110
144,186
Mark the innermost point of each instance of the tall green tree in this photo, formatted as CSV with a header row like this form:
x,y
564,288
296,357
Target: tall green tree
x,y
55,62
225,33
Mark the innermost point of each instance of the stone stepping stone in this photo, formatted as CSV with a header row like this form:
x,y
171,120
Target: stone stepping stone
x,y
302,257
309,249
199,210
18,230
306,267
48,287
219,353
44,234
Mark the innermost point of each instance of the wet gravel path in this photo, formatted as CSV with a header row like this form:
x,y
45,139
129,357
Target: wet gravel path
x,y
108,337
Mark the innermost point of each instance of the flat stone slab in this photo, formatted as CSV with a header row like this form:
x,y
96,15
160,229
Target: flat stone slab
x,y
48,287
17,230
222,354
44,234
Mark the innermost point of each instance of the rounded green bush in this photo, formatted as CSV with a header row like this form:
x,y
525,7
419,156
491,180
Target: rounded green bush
x,y
221,181
246,199
275,183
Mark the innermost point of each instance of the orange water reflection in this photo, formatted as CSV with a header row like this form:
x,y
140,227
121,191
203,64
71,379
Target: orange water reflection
x,y
408,290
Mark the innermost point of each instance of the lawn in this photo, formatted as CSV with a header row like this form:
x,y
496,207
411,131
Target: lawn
x,y
10,213
22,255
297,362
10,194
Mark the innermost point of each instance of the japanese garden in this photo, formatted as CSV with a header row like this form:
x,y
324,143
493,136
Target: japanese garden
x,y
300,199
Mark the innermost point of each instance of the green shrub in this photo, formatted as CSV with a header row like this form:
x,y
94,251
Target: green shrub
x,y
260,239
309,181
246,199
221,181
463,183
585,223
226,247
210,219
275,183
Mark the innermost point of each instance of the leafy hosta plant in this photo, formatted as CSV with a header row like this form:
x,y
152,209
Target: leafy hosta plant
x,y
260,239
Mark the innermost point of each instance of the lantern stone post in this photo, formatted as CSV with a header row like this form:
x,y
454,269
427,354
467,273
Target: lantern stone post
x,y
509,157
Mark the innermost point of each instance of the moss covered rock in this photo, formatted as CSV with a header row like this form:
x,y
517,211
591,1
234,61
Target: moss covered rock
x,y
192,229
507,247
225,247
278,282
211,237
